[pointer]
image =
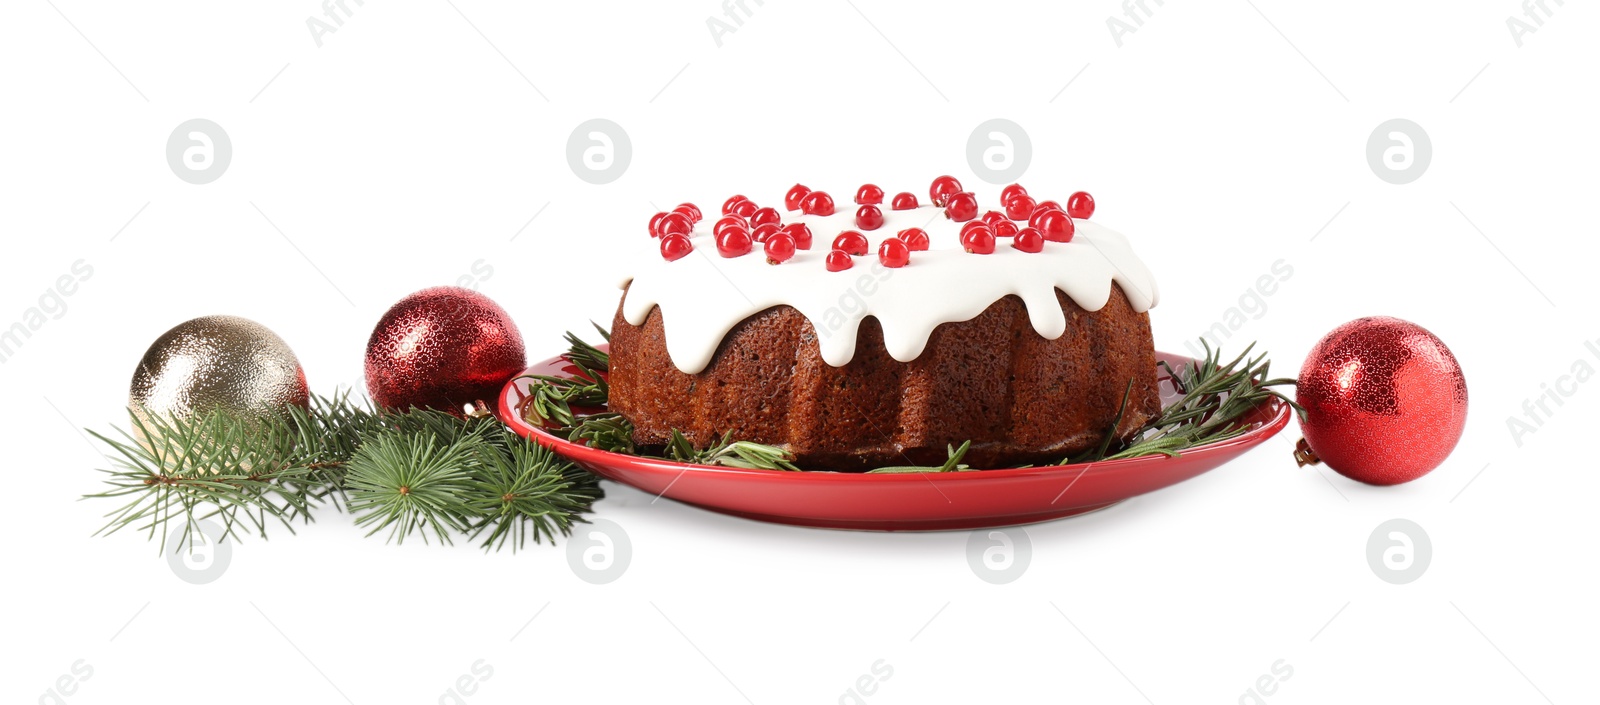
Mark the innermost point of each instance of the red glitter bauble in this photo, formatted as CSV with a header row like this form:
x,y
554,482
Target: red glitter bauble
x,y
442,348
1385,401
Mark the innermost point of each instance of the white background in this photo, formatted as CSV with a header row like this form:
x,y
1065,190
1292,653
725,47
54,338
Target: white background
x,y
411,145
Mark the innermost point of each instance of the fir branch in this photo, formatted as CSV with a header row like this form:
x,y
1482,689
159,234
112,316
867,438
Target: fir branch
x,y
529,491
244,471
329,432
416,471
415,479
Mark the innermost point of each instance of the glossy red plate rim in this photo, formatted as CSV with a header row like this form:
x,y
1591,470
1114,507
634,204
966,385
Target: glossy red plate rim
x,y
506,411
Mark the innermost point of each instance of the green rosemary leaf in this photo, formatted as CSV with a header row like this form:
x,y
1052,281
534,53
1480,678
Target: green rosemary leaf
x,y
549,400
586,355
1214,396
606,431
729,453
951,464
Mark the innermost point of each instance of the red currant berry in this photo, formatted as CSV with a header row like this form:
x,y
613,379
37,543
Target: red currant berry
x,y
894,253
979,241
675,246
765,215
817,203
689,209
915,238
675,223
904,201
1005,228
869,195
942,188
961,207
765,231
839,260
969,225
1056,226
655,224
1010,192
779,248
1080,205
791,200
745,208
851,242
801,234
729,222
727,206
1020,207
991,217
1028,240
1041,209
869,218
733,242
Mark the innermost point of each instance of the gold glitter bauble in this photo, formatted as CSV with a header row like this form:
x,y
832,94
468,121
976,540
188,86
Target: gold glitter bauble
x,y
218,363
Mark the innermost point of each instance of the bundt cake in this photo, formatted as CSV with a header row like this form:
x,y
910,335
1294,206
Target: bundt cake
x,y
904,329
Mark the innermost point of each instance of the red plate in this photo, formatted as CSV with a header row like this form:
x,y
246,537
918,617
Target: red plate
x,y
902,502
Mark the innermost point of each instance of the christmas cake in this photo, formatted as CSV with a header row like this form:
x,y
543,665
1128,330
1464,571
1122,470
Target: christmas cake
x,y
884,331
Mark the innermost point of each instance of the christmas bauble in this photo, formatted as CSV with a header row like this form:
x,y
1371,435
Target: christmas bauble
x,y
442,348
1385,401
222,363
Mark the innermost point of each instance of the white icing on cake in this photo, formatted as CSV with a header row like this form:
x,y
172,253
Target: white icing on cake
x,y
704,295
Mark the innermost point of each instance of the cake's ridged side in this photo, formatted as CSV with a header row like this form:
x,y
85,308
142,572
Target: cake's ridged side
x,y
993,380
845,413
641,387
960,387
754,393
748,391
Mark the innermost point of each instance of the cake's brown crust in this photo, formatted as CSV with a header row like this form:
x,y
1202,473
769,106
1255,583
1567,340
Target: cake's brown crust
x,y
993,380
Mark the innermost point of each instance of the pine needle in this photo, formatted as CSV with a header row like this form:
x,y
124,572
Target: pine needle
x,y
529,493
415,472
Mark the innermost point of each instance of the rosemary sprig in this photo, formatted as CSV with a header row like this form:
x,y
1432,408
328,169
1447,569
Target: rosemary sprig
x,y
952,464
730,453
588,356
606,431
1215,396
550,399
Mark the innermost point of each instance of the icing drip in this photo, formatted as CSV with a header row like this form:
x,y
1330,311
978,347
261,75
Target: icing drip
x,y
704,295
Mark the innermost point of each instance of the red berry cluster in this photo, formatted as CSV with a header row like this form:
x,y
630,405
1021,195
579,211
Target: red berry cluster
x,y
1046,219
673,228
893,252
744,223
